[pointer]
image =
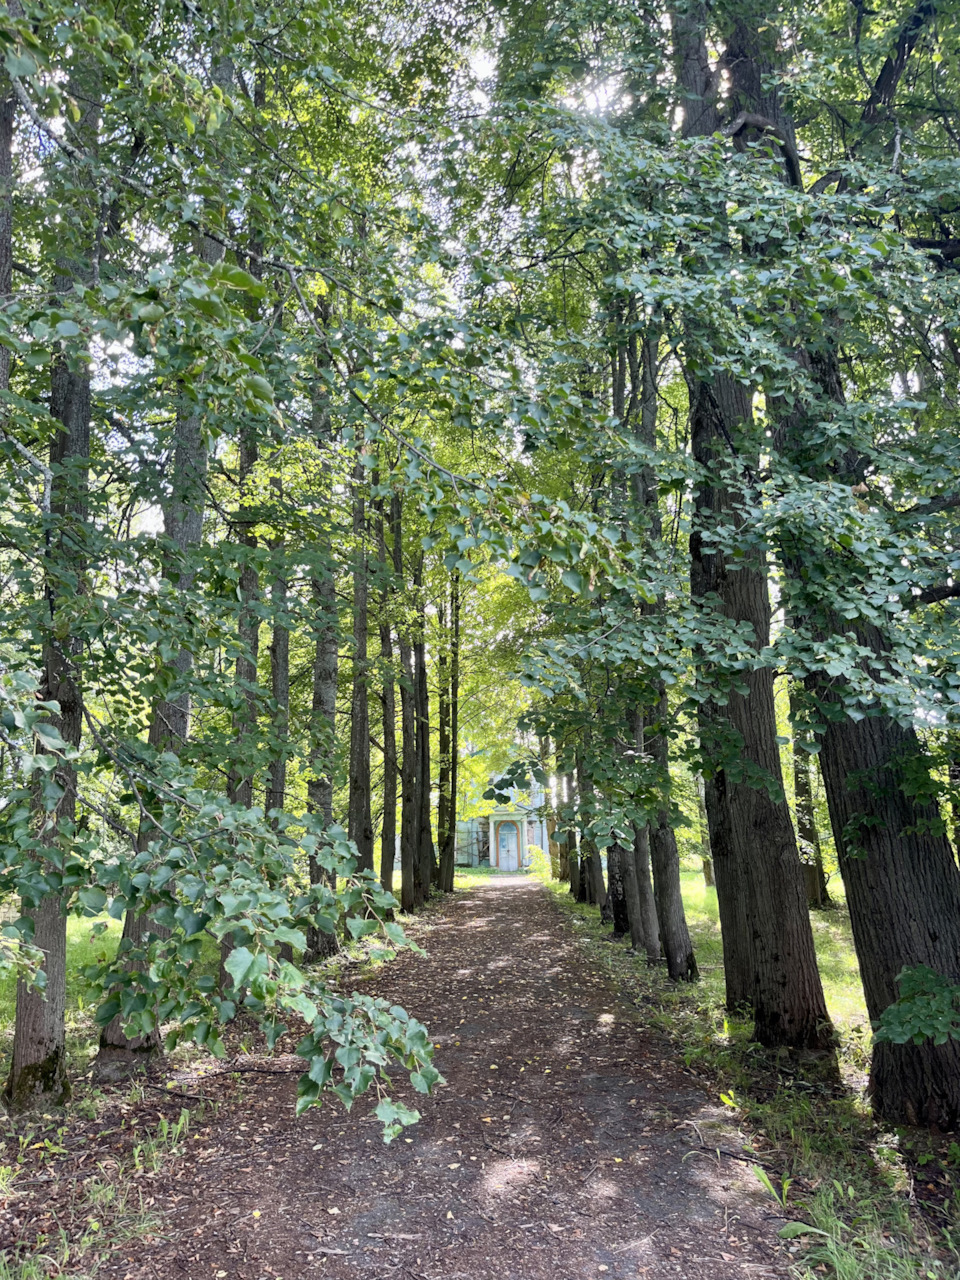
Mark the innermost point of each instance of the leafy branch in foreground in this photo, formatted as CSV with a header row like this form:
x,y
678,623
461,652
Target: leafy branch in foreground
x,y
216,870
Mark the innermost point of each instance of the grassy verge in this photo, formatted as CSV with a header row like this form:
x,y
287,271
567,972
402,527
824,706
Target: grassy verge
x,y
98,1202
870,1203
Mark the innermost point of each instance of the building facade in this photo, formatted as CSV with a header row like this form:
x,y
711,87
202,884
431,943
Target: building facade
x,y
502,839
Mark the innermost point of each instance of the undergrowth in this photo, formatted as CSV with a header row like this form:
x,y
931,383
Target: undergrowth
x,y
867,1203
72,1237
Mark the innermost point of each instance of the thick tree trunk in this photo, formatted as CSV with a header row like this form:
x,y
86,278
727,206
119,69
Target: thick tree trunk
x,y
903,893
749,827
902,882
359,817
38,1071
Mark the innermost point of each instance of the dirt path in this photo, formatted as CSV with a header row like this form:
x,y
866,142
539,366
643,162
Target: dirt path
x,y
565,1144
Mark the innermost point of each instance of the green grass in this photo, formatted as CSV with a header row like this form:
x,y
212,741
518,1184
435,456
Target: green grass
x,y
853,1183
832,937
470,877
82,950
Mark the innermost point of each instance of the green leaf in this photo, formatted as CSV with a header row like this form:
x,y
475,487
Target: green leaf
x,y
93,899
792,1230
239,964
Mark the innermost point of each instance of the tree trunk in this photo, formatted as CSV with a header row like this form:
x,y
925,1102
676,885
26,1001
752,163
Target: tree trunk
x,y
443,733
631,898
427,861
410,899
815,882
359,818
598,890
240,776
276,788
590,866
323,943
665,862
323,739
38,1071
448,851
183,511
388,836
706,856
903,893
749,826
576,888
649,925
617,896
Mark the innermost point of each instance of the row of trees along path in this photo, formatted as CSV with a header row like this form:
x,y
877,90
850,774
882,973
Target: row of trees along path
x,y
568,1142
372,425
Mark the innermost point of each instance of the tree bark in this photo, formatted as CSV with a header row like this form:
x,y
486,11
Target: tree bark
x,y
276,788
410,898
388,836
649,924
577,890
815,882
665,864
616,878
359,818
183,512
427,860
443,733
38,1072
751,832
448,852
631,898
590,866
323,739
706,857
448,837
903,894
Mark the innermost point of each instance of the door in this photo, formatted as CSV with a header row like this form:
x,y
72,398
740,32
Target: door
x,y
508,847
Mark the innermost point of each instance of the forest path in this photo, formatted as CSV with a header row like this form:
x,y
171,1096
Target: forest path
x,y
566,1143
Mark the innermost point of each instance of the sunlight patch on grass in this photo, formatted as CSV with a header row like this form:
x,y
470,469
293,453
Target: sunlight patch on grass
x,y
831,935
82,950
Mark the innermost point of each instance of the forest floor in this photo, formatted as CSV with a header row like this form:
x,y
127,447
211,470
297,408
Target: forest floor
x,y
568,1142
